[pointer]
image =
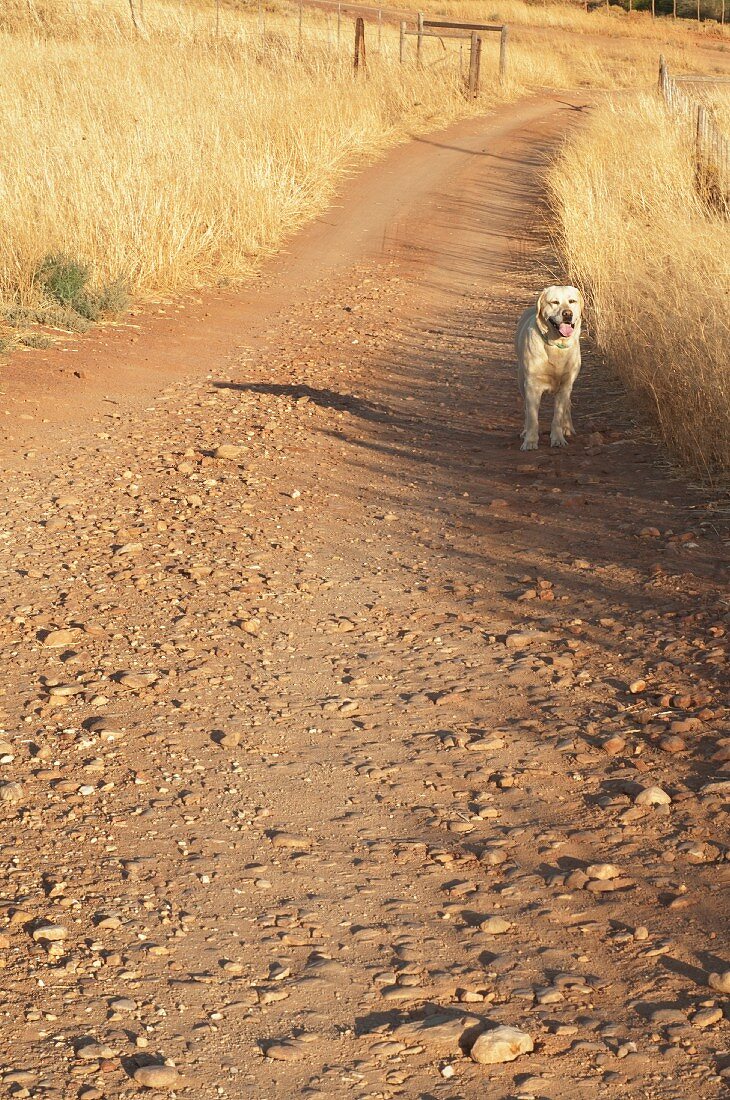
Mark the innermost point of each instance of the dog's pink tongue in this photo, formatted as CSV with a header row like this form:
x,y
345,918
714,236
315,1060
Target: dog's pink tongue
x,y
565,329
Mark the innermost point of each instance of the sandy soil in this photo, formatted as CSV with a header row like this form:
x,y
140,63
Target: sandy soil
x,y
330,751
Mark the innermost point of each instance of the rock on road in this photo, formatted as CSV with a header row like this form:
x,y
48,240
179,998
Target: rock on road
x,y
346,752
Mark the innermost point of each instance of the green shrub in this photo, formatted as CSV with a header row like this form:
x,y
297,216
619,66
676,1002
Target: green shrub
x,y
114,298
52,313
62,278
109,301
65,281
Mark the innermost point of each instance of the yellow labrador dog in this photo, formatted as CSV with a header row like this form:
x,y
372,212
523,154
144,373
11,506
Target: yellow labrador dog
x,y
548,358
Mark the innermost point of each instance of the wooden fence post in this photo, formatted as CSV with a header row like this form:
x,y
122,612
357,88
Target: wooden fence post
x,y
474,65
700,132
662,76
419,41
698,12
503,54
703,176
653,9
359,45
402,46
479,65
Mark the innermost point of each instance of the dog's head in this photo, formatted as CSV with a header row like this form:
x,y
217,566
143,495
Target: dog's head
x,y
558,312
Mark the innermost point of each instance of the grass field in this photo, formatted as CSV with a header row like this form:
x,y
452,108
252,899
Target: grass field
x,y
180,159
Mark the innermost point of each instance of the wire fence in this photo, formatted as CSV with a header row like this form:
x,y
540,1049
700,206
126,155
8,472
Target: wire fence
x,y
465,38
699,11
711,146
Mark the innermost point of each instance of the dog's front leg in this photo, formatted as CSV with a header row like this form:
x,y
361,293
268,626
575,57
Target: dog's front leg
x,y
561,416
568,426
530,433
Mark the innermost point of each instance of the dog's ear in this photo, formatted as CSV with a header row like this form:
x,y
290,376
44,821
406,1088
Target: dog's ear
x,y
538,313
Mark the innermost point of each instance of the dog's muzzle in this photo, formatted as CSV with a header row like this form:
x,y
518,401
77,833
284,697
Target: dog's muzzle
x,y
565,328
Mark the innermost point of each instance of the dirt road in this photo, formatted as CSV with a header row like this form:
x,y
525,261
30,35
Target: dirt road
x,y
330,750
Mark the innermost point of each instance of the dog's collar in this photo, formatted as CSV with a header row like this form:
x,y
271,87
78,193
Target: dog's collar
x,y
561,347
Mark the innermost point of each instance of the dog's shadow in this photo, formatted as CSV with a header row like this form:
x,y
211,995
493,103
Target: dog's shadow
x,y
323,398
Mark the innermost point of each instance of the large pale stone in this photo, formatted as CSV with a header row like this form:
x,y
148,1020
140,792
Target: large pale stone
x,y
157,1077
501,1044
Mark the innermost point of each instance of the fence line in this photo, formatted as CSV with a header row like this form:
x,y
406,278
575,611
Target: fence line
x,y
463,32
469,33
711,146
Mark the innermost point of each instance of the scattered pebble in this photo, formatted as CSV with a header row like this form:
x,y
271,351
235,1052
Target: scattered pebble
x,y
157,1077
501,1044
652,796
720,981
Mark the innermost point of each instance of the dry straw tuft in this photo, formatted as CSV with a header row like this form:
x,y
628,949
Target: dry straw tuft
x,y
652,257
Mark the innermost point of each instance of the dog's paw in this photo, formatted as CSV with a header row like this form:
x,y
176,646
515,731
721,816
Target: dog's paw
x,y
557,439
529,445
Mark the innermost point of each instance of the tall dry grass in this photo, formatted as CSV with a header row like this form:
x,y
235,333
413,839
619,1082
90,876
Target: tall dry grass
x,y
653,260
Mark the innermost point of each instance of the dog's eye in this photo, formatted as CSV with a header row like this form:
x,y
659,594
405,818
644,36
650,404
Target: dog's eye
x,y
572,301
555,303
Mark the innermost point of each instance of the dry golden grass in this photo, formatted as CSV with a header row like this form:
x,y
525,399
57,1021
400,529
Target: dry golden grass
x,y
652,259
717,99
